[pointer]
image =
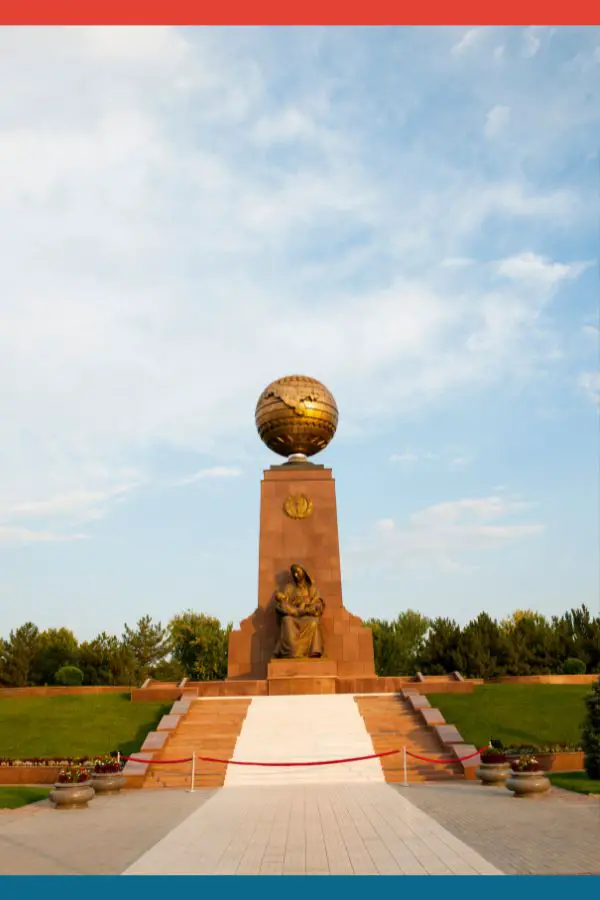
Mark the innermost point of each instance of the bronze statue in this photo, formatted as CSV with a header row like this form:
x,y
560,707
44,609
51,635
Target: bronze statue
x,y
299,609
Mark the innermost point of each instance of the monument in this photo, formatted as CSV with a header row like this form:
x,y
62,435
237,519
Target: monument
x,y
301,638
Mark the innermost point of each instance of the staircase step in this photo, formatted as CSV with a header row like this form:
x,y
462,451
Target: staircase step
x,y
393,725
209,728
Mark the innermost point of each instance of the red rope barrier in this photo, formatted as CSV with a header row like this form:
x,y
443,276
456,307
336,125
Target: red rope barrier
x,y
445,761
325,762
156,762
237,762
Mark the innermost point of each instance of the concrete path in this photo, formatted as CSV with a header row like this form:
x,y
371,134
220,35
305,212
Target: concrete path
x,y
354,829
104,839
299,729
330,828
557,834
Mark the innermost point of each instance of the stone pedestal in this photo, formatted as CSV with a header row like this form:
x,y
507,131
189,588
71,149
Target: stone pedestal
x,y
312,541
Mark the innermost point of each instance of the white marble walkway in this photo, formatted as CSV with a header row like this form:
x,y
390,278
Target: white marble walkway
x,y
326,829
300,729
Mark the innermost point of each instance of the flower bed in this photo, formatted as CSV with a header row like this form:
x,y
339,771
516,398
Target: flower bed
x,y
551,758
47,771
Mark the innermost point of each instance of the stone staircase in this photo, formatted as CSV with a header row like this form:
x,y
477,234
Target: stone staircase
x,y
392,723
210,728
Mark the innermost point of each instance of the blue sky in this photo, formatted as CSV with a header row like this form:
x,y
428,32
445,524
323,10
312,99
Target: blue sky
x,y
410,215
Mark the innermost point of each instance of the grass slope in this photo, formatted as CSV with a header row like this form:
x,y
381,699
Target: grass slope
x,y
75,725
516,713
14,797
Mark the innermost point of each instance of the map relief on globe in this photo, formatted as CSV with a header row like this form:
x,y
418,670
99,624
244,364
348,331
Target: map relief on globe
x,y
296,416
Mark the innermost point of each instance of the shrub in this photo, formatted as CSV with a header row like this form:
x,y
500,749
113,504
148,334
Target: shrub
x,y
69,676
574,666
590,735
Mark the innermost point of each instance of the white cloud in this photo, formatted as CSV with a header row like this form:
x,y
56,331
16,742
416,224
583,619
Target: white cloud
x,y
531,41
13,536
77,505
448,534
457,262
470,39
589,384
532,268
179,228
591,330
496,121
214,472
406,458
461,462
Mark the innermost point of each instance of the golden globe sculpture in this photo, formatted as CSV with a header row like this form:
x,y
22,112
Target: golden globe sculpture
x,y
296,416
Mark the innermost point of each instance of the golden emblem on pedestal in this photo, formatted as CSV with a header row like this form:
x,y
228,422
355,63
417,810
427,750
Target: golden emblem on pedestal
x,y
296,416
298,506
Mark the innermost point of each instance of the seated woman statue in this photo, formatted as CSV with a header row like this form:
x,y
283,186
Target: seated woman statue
x,y
299,609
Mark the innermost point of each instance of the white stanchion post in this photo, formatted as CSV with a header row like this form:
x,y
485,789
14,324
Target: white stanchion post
x,y
119,757
193,787
405,767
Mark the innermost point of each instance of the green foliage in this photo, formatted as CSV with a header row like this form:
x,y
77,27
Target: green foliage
x,y
56,648
148,643
168,670
441,651
106,660
195,645
590,735
19,654
574,666
199,644
69,675
398,645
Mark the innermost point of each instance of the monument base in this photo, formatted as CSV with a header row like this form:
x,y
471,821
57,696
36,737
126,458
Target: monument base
x,y
302,684
302,676
293,668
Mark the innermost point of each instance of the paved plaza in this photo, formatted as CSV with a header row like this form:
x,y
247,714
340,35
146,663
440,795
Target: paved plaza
x,y
320,829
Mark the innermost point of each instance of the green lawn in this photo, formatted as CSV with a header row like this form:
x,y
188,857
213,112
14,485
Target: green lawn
x,y
536,714
14,797
575,781
75,725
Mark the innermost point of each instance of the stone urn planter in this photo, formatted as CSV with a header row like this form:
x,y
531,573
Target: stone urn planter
x,y
527,779
493,773
72,796
107,782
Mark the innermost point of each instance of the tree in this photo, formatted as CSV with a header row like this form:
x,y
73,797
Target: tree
x,y
591,733
398,645
481,650
584,637
57,647
168,670
19,655
199,644
106,660
441,651
148,643
532,644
